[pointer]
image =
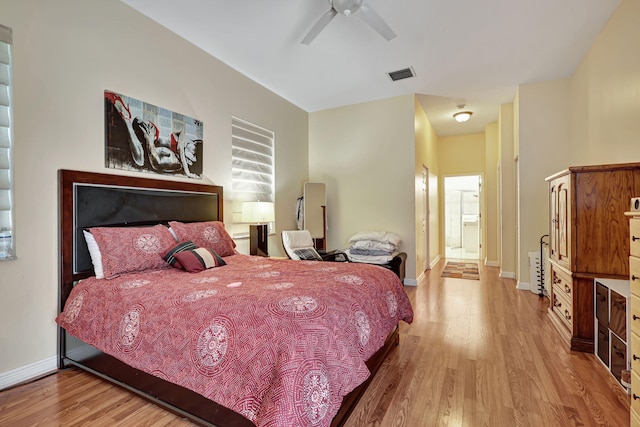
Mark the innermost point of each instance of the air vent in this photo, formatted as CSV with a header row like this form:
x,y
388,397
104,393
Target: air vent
x,y
401,74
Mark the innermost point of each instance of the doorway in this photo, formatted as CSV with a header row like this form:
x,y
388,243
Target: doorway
x,y
462,216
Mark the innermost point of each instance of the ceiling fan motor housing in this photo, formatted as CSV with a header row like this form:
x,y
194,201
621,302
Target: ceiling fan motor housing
x,y
346,7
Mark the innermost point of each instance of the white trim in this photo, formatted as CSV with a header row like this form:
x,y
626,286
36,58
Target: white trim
x,y
523,286
507,274
28,372
491,263
6,34
410,282
434,262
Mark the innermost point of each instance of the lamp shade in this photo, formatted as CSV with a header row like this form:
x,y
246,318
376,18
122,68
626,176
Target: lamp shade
x,y
258,212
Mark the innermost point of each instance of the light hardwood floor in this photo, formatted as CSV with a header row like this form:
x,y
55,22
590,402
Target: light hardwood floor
x,y
479,353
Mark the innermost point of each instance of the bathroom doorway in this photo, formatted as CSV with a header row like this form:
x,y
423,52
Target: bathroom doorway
x,y
462,195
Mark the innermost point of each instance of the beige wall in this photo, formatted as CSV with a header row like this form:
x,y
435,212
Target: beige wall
x,y
507,235
490,194
426,149
65,54
543,117
589,118
365,155
460,155
605,94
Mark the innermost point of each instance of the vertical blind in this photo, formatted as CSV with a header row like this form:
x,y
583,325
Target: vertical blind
x,y
252,162
5,129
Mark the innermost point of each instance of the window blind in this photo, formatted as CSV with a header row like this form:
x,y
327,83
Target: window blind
x,y
252,170
252,162
5,129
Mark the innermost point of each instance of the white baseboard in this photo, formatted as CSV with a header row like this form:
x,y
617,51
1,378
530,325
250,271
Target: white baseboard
x,y
507,274
410,282
491,263
28,372
523,286
434,262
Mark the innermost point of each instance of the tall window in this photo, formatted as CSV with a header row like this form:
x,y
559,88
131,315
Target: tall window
x,y
7,248
252,168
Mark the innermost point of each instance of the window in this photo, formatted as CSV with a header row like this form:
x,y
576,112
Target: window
x,y
252,169
7,249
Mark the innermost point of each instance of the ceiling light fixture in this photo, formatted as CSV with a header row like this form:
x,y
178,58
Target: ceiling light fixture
x,y
462,116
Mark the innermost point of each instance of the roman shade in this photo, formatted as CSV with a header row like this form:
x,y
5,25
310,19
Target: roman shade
x,y
5,128
252,158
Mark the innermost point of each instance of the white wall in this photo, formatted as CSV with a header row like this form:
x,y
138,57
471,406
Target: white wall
x,y
365,155
65,54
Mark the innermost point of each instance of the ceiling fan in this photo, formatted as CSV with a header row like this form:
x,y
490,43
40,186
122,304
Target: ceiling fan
x,y
347,8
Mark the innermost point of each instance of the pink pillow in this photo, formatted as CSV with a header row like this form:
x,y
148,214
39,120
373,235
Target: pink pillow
x,y
129,249
200,259
208,234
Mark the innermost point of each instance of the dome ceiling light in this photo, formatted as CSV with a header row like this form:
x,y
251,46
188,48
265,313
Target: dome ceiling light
x,y
462,116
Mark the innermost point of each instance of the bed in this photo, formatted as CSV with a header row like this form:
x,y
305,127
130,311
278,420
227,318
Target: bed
x,y
253,341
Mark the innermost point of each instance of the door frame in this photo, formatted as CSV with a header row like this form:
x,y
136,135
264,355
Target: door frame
x,y
479,209
425,217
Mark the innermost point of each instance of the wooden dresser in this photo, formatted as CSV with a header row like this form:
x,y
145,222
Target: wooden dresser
x,y
634,275
588,239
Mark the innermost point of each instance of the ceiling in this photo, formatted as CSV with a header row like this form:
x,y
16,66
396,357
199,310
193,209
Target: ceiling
x,y
462,51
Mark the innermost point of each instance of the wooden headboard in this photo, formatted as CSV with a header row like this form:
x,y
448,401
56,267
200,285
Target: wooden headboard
x,y
93,199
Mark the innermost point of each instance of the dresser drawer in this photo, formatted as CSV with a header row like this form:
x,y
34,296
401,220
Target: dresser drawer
x,y
634,237
635,352
635,392
634,274
635,315
635,419
562,306
562,282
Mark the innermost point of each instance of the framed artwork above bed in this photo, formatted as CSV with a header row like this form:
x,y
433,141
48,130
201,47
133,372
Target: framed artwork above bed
x,y
143,137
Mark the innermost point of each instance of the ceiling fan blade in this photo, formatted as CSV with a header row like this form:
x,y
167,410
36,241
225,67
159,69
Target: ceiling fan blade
x,y
371,17
319,26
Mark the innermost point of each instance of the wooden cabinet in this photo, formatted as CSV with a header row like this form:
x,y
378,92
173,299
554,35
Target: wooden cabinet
x,y
634,276
613,337
560,225
588,239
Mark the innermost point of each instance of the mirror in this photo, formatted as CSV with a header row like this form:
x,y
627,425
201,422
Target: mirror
x,y
314,203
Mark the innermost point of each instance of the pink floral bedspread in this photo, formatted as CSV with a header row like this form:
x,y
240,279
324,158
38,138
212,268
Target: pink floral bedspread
x,y
280,342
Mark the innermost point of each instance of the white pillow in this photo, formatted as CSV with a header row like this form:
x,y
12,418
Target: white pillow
x,y
378,236
96,256
374,245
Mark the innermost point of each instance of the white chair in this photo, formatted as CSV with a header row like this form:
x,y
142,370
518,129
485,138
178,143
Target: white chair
x,y
298,245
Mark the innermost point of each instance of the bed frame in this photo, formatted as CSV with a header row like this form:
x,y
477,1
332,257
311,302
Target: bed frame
x,y
92,199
